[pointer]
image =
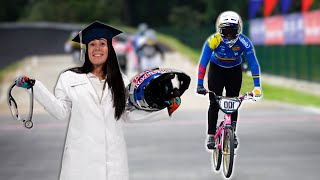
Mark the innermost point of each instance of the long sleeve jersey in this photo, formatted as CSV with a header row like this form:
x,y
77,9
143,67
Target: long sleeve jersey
x,y
216,51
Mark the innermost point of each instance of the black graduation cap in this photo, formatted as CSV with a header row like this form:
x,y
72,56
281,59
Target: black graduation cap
x,y
96,30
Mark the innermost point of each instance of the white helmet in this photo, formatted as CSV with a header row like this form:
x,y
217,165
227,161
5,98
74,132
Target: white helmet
x,y
142,27
229,25
151,34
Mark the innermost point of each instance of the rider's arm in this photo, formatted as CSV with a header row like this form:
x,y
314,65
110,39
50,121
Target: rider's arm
x,y
212,42
204,60
254,65
140,48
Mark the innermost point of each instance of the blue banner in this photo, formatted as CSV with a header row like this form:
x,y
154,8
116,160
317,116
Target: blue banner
x,y
285,5
296,28
257,31
254,7
293,29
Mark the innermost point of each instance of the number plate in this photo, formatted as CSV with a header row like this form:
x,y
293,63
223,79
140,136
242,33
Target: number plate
x,y
229,105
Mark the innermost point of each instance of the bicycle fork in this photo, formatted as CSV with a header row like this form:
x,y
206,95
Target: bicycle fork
x,y
222,128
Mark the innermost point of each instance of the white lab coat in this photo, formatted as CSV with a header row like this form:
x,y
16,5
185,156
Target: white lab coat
x,y
95,148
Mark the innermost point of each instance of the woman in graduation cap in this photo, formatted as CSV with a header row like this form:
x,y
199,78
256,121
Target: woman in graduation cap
x,y
93,97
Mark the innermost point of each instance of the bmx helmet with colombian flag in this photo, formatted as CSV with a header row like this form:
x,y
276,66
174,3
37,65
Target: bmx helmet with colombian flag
x,y
150,89
229,25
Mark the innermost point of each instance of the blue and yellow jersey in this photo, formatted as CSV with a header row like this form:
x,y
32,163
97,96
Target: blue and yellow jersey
x,y
216,51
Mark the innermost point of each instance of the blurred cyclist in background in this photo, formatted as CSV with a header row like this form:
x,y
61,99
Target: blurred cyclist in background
x,y
142,28
124,50
224,49
150,53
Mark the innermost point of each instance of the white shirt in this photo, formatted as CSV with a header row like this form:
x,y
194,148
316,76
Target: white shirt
x,y
97,84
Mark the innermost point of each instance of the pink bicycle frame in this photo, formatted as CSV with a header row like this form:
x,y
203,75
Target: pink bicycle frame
x,y
227,119
220,131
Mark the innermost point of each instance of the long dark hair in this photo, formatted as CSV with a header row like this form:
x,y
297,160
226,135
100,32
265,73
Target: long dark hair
x,y
114,78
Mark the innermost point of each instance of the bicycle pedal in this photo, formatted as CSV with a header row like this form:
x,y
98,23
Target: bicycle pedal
x,y
211,146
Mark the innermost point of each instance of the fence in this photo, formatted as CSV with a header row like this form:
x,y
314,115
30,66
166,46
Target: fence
x,y
294,61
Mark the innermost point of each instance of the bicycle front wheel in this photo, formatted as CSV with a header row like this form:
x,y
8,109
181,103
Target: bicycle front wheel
x,y
228,152
217,155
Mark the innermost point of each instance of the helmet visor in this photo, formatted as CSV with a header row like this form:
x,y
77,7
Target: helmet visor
x,y
229,32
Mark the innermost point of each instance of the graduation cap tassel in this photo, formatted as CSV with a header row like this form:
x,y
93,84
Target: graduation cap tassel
x,y
82,58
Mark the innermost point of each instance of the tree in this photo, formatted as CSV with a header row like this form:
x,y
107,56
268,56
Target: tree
x,y
11,10
183,16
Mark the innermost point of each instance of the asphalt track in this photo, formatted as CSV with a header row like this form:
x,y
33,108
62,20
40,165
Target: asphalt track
x,y
276,142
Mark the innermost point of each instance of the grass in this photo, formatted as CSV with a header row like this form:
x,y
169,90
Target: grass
x,y
290,96
270,92
178,46
283,94
7,70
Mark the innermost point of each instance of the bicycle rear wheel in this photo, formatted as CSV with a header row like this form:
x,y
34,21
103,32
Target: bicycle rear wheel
x,y
217,155
228,152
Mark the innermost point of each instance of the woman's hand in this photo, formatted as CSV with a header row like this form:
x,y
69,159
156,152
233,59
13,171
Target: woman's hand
x,y
24,82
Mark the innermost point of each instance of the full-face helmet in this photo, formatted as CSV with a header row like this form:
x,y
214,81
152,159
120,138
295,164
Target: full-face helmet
x,y
229,25
149,89
142,27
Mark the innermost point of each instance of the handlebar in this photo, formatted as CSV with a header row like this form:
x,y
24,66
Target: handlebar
x,y
245,96
231,104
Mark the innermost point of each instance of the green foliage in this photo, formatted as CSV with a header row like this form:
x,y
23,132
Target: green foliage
x,y
11,10
189,15
128,12
73,11
215,7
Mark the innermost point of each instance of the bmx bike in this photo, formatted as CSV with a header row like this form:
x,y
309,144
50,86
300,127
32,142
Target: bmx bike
x,y
224,149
